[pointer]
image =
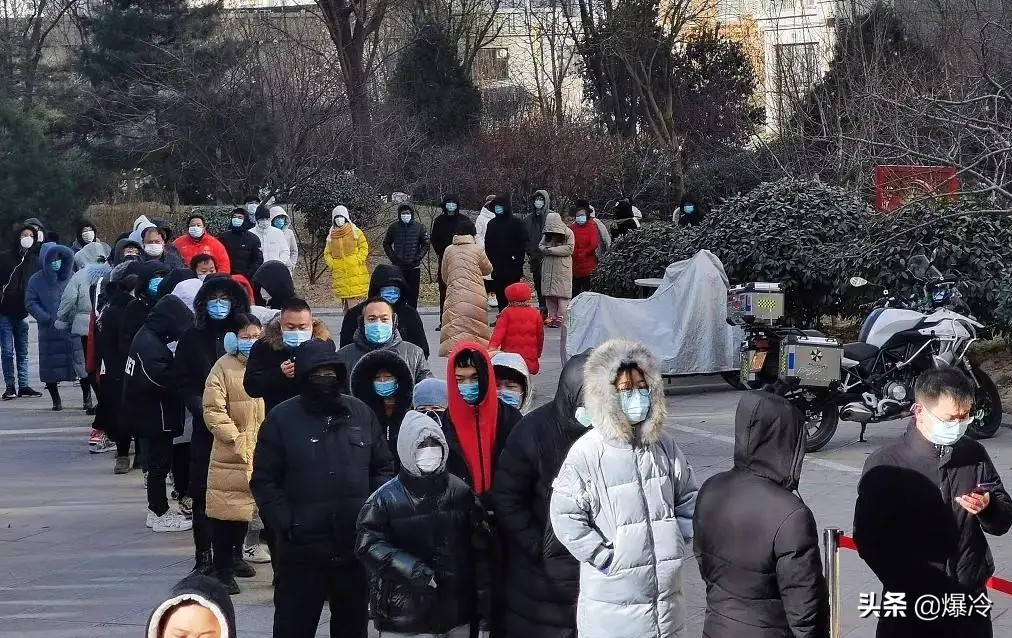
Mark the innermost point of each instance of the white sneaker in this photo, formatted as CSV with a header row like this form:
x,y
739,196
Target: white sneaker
x,y
150,521
256,554
171,522
103,445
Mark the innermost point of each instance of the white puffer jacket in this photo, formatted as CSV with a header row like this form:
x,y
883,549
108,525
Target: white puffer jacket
x,y
622,504
293,243
273,243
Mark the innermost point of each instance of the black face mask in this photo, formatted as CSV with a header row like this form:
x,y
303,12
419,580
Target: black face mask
x,y
322,391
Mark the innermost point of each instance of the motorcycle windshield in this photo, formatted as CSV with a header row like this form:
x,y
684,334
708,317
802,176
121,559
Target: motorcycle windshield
x,y
868,323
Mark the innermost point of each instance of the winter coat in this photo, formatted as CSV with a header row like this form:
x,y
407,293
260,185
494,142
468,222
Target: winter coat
x,y
534,225
585,248
206,591
406,244
234,419
520,328
273,286
446,226
112,356
775,588
622,504
412,355
117,257
245,251
362,376
416,528
61,356
293,242
208,244
604,238
350,273
273,243
557,261
923,542
541,586
465,313
76,303
17,265
151,406
79,242
511,362
506,245
409,323
137,310
264,379
315,466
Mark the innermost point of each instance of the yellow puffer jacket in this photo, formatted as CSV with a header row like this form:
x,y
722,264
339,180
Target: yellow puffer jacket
x,y
350,273
234,418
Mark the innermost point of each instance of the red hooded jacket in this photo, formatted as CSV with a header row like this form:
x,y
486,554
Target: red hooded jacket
x,y
520,328
585,252
246,285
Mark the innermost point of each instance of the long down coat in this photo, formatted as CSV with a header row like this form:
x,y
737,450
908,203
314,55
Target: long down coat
x,y
61,356
557,260
234,419
465,313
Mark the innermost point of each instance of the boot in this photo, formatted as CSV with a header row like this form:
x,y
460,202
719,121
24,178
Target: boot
x,y
240,567
228,580
57,405
203,566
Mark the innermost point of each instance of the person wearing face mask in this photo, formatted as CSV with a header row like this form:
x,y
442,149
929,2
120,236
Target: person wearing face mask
x,y
157,248
445,226
586,242
347,254
378,331
198,240
534,224
777,588
505,245
17,265
513,381
630,535
924,503
85,234
422,537
388,282
203,265
318,458
690,213
233,418
406,244
382,381
281,221
243,245
272,240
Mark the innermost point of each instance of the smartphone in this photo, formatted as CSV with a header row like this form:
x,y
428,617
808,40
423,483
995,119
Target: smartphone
x,y
983,488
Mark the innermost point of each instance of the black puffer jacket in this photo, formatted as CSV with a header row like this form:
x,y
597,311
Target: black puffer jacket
x,y
113,357
314,467
172,279
244,252
264,379
915,536
17,265
137,310
543,579
273,285
506,244
409,323
419,528
406,244
151,406
446,225
771,586
362,389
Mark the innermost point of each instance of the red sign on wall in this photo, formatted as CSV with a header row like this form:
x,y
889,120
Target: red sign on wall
x,y
898,185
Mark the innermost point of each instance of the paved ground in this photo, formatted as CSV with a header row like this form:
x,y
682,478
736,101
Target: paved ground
x,y
76,560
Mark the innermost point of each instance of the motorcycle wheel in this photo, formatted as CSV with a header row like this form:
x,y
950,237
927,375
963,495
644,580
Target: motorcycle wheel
x,y
987,418
821,425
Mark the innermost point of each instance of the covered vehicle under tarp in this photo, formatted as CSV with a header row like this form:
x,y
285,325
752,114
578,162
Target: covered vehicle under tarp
x,y
684,323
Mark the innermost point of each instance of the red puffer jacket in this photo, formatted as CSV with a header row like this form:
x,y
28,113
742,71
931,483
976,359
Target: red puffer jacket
x,y
520,328
585,253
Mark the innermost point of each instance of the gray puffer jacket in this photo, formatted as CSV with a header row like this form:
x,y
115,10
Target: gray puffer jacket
x,y
76,303
412,355
622,504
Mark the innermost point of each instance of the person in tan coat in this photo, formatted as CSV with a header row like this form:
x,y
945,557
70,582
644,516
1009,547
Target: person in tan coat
x,y
557,244
234,419
465,313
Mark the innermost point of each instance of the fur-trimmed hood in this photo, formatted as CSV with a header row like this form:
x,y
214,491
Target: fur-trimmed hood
x,y
601,397
213,285
49,253
364,372
272,333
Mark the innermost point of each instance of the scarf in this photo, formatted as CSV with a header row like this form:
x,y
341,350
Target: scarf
x,y
342,241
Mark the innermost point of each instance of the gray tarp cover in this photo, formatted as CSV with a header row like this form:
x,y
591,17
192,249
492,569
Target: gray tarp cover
x,y
684,323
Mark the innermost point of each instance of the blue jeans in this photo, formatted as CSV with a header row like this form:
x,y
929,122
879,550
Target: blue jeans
x,y
14,341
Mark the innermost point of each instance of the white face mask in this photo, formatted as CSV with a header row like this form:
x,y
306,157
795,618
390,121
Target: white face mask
x,y
27,242
429,459
340,221
154,250
946,432
88,236
262,224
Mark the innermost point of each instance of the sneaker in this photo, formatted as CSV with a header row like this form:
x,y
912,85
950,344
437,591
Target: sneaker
x,y
186,507
26,391
258,554
150,521
9,394
104,445
122,465
95,438
171,522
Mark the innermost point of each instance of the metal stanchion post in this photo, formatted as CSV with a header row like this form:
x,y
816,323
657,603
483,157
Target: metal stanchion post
x,y
831,557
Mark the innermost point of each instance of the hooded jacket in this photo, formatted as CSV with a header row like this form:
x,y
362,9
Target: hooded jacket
x,y
173,278
447,225
362,377
476,433
406,244
409,323
273,243
771,586
314,467
465,312
17,265
142,303
557,259
542,578
151,406
79,241
625,213
349,272
76,303
206,591
112,354
245,250
520,328
412,355
264,378
208,244
187,291
117,257
534,224
289,233
622,505
61,357
417,528
506,244
505,362
587,239
273,286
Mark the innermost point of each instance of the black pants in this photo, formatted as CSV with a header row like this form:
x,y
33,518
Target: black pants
x,y
499,288
303,587
442,290
227,536
181,468
160,460
580,284
203,532
536,274
413,276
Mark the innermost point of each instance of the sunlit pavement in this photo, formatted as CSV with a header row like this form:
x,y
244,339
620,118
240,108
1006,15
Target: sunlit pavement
x,y
77,561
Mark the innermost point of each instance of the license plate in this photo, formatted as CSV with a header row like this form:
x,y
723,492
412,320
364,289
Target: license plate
x,y
758,359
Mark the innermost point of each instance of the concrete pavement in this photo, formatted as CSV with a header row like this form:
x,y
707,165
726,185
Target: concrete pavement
x,y
76,560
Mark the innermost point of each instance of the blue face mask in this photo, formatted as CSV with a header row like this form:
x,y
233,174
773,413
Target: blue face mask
x,y
56,265
499,209
295,338
451,207
218,308
246,346
469,391
689,209
385,388
635,404
511,397
153,285
279,223
237,222
581,219
378,332
391,293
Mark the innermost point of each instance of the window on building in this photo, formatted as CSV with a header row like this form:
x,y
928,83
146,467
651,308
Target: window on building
x,y
491,64
797,69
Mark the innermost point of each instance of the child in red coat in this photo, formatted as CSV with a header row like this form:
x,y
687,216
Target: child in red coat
x,y
520,328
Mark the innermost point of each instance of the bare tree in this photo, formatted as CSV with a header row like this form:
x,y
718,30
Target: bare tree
x,y
468,25
25,30
549,37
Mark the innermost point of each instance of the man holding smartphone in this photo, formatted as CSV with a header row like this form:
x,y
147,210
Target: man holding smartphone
x,y
924,504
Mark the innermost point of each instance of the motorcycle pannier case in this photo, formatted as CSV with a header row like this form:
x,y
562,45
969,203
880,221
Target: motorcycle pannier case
x,y
755,303
813,361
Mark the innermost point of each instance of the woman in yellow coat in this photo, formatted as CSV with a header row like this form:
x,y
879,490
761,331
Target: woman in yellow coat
x,y
346,254
234,418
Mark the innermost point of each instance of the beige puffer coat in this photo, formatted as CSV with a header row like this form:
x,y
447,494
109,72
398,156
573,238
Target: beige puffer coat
x,y
557,261
465,313
234,418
